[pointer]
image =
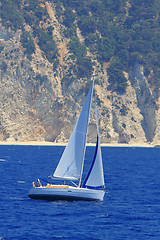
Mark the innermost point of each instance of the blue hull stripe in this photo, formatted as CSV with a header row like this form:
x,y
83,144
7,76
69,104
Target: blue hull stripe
x,y
96,188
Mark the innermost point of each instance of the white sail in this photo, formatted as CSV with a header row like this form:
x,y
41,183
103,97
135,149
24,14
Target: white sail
x,y
95,177
70,164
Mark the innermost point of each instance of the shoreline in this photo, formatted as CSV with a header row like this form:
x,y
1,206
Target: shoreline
x,y
45,143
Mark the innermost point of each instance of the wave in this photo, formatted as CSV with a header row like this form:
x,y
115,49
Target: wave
x,y
3,160
21,181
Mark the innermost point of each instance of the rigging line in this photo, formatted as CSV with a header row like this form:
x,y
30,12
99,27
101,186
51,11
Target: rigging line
x,y
74,183
68,169
84,133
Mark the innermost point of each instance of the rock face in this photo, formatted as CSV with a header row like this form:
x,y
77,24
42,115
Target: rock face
x,y
39,102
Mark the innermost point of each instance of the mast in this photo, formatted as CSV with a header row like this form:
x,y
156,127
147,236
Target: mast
x,y
80,180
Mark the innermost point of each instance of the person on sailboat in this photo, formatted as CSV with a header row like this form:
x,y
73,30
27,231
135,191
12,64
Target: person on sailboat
x,y
38,183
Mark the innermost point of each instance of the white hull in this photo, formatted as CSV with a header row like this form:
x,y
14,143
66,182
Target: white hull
x,y
69,193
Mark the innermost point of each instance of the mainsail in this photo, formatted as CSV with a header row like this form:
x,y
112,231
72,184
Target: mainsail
x,y
95,177
71,163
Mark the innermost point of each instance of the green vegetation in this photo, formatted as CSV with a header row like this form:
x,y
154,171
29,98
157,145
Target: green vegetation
x,y
84,64
119,32
3,66
69,17
41,79
27,43
1,48
47,44
116,77
11,16
15,13
124,110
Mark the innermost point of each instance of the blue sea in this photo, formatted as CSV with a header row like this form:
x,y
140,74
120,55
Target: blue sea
x,y
130,210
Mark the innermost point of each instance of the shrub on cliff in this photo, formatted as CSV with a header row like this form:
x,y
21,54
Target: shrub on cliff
x,y
27,43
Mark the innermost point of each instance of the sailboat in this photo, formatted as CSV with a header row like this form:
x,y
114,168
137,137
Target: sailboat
x,y
70,166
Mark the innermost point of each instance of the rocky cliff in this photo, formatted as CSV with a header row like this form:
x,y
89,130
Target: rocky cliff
x,y
40,101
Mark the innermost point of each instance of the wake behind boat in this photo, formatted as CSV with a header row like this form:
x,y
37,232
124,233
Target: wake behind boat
x,y
70,166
